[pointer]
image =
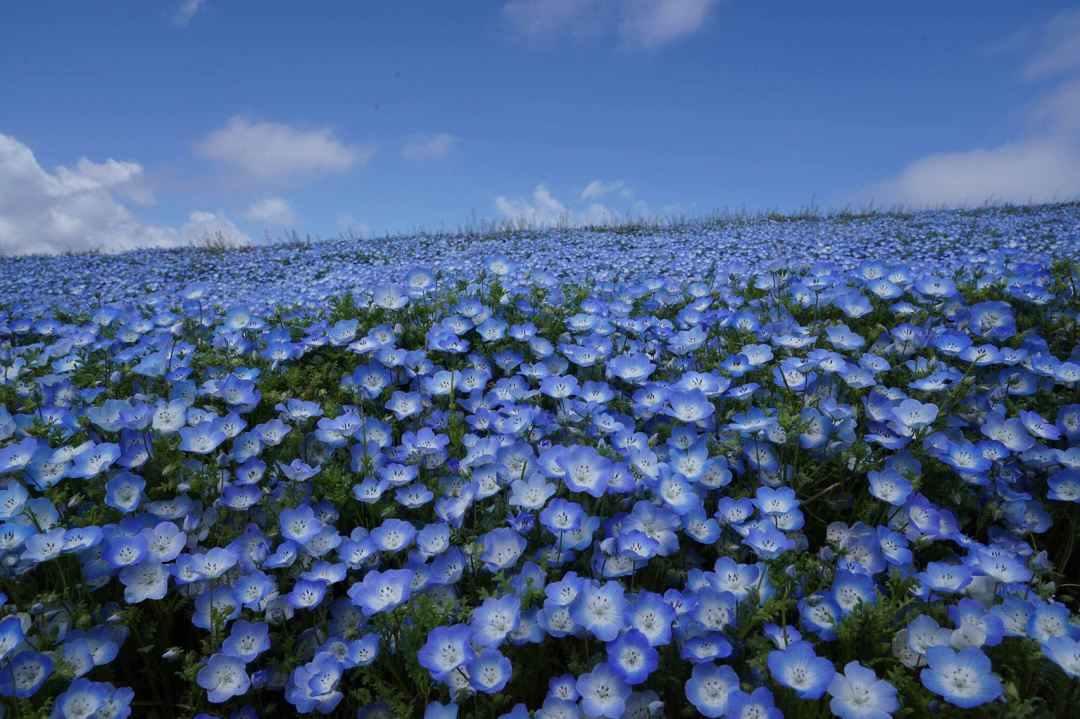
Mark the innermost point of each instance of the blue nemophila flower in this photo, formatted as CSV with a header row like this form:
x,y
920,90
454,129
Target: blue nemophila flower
x,y
768,544
603,692
677,493
414,496
757,705
774,502
300,524
446,649
283,556
213,563
298,470
859,694
146,579
781,636
1064,486
220,605
124,491
489,671
1065,652
435,710
632,656
299,410
688,405
820,614
564,687
1051,619
1001,566
306,593
404,404
382,591
203,438
637,545
962,678
433,539
715,610
77,655
11,634
912,414
83,698
561,516
494,620
705,646
585,470
652,616
599,609
734,511
634,368
24,674
889,486
393,535
709,688
924,632
46,545
851,589
247,640
362,651
313,686
501,549
799,668
531,493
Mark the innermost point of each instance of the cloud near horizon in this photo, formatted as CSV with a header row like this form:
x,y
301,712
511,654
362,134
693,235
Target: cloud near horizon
x,y
271,212
545,210
274,153
77,208
1041,165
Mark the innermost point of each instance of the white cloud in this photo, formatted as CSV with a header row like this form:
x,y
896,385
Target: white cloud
x,y
271,212
655,23
347,222
424,148
76,208
123,177
1041,164
186,11
598,188
1060,46
201,225
274,152
542,21
647,24
544,209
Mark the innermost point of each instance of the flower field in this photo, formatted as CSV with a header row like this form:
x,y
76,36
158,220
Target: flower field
x,y
743,469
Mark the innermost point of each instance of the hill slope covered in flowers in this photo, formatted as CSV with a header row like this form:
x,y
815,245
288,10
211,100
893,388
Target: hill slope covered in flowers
x,y
745,469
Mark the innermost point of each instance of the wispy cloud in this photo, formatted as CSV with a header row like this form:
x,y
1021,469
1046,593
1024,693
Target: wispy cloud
x,y
544,209
80,207
641,24
428,148
276,153
186,11
655,23
1041,164
1059,49
271,212
599,188
348,223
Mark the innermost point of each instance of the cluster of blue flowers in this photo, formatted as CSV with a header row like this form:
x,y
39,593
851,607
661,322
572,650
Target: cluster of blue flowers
x,y
766,488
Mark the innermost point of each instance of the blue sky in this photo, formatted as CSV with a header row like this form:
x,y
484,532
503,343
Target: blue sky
x,y
130,123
